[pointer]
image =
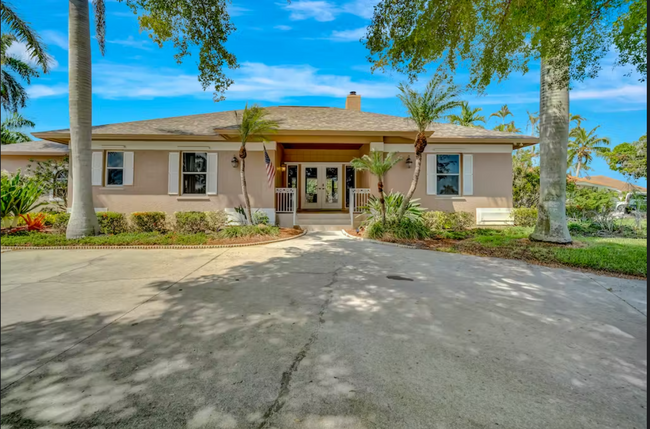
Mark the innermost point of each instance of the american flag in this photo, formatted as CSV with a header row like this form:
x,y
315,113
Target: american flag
x,y
270,169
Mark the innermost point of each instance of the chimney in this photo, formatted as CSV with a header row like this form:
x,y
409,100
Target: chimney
x,y
353,102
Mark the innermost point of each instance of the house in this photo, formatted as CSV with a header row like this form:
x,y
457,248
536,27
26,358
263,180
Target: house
x,y
19,156
190,163
604,182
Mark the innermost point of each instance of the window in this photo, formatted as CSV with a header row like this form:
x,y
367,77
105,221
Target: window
x,y
292,176
350,183
448,175
114,168
195,173
60,186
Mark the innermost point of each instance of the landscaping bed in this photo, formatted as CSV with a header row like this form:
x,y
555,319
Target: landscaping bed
x,y
625,257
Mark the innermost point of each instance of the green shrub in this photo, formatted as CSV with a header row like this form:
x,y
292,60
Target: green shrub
x,y
249,231
441,221
524,216
217,220
406,229
19,196
60,222
588,203
260,218
112,223
149,221
191,222
393,204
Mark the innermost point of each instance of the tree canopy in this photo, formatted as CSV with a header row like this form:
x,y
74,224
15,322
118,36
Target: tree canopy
x,y
630,159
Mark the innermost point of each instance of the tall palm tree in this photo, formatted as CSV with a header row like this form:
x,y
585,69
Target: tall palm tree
x,y
253,122
468,116
378,166
83,221
24,33
533,120
11,126
503,113
13,95
578,119
424,109
510,127
583,146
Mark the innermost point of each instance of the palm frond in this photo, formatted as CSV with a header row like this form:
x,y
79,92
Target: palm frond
x,y
254,121
21,68
439,97
24,33
99,7
12,94
376,163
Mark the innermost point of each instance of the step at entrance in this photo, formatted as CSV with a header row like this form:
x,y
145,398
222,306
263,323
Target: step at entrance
x,y
335,221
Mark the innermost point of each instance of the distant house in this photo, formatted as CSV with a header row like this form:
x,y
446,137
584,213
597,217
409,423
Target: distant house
x,y
17,156
190,163
604,182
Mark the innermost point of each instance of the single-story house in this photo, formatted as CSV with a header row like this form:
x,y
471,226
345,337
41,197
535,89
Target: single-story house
x,y
609,183
19,156
190,163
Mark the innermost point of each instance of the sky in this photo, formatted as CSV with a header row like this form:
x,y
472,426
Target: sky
x,y
304,53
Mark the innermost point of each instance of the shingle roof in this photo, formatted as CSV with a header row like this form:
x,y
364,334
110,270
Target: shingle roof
x,y
610,183
40,147
292,119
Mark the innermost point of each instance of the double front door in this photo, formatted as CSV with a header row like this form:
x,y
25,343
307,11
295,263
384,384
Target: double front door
x,y
322,187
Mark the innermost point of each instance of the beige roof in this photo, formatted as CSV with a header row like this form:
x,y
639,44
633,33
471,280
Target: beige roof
x,y
294,119
40,147
610,183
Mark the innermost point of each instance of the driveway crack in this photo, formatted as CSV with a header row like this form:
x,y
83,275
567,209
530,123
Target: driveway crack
x,y
287,376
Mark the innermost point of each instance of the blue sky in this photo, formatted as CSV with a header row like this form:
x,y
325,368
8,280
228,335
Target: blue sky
x,y
306,53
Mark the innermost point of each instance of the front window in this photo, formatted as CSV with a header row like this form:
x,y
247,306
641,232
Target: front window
x,y
60,185
114,168
292,176
448,175
195,172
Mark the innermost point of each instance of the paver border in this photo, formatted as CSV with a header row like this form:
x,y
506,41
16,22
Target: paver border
x,y
152,247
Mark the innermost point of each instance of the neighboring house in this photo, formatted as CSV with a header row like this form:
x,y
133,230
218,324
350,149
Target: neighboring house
x,y
604,182
190,163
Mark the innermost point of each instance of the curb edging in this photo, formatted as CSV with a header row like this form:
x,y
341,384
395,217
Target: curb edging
x,y
152,247
403,246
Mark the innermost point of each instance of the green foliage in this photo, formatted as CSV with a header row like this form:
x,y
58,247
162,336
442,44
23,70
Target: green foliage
x,y
405,229
112,223
10,129
376,163
20,195
496,38
254,121
525,216
192,26
217,220
393,203
502,113
439,97
149,221
247,231
53,177
586,200
631,37
444,221
129,239
526,185
261,218
191,222
60,223
583,147
468,117
630,159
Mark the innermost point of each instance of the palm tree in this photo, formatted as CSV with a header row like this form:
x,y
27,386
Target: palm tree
x,y
13,94
578,119
378,166
510,127
11,126
438,98
583,146
467,117
24,33
253,122
83,221
503,113
533,119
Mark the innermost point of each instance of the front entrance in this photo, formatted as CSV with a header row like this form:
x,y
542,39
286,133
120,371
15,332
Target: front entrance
x,y
322,186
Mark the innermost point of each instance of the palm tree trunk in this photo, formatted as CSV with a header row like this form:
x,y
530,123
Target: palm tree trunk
x,y
554,132
420,146
83,221
244,189
382,200
578,168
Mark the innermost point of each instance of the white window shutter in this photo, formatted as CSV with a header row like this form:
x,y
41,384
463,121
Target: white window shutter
x,y
213,162
432,167
174,164
97,168
128,169
468,174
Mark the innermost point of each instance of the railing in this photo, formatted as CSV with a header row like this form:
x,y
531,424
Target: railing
x,y
286,201
359,198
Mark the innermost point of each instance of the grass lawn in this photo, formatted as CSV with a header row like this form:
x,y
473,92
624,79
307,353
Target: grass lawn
x,y
233,235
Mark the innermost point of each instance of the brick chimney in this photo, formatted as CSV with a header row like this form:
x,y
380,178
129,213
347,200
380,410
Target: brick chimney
x,y
353,102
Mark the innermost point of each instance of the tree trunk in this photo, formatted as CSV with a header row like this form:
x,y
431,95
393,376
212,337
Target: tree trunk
x,y
420,146
83,221
578,168
554,133
244,187
382,200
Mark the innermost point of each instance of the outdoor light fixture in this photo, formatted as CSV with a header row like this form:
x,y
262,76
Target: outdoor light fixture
x,y
234,162
409,163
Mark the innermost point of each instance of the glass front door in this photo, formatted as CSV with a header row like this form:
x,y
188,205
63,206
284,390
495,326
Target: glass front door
x,y
322,187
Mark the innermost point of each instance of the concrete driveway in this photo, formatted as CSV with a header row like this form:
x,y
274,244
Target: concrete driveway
x,y
321,332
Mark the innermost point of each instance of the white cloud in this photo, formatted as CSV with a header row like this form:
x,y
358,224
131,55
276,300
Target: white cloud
x,y
324,11
348,35
40,91
55,38
283,27
20,51
362,8
133,43
237,10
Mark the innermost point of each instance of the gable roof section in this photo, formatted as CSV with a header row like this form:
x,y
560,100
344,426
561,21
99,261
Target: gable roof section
x,y
609,182
292,120
39,148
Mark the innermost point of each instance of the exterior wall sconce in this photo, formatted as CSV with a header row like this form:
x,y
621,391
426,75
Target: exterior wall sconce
x,y
283,168
234,162
409,162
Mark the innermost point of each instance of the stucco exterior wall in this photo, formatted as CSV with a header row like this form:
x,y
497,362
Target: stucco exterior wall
x,y
150,186
12,163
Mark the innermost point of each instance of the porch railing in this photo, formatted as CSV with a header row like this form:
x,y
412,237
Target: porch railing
x,y
286,201
359,197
